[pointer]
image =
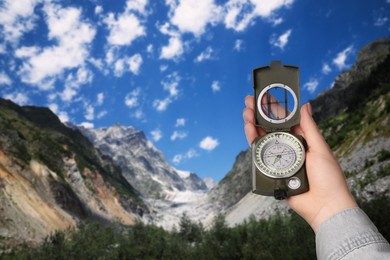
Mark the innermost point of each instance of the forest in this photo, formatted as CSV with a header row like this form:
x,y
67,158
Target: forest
x,y
278,237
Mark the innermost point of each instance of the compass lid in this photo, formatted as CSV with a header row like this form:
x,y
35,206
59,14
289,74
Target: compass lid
x,y
277,96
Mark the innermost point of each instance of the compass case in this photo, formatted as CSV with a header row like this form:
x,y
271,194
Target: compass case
x,y
285,77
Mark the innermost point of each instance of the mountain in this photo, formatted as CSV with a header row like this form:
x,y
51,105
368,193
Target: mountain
x,y
357,129
167,191
354,117
51,177
142,164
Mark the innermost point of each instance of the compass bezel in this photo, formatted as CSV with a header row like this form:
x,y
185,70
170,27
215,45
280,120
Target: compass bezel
x,y
287,139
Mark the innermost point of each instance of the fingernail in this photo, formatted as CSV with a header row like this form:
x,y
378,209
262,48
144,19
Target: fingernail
x,y
309,109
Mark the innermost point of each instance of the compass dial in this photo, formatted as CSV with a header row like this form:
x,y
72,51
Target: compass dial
x,y
279,154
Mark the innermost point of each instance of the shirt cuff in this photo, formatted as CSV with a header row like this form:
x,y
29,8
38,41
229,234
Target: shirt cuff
x,y
345,232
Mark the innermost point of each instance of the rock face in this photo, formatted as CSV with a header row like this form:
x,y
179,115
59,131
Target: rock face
x,y
350,87
235,185
51,177
168,192
354,117
143,166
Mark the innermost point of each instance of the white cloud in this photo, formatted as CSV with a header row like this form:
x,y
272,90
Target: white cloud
x,y
177,159
53,107
124,29
98,9
89,112
173,50
73,36
74,81
193,16
233,10
134,63
5,79
17,18
68,94
171,84
18,98
311,85
63,116
3,49
380,21
207,54
100,98
87,125
175,47
209,143
276,21
162,104
131,99
180,122
215,86
83,76
326,69
163,67
280,41
138,114
265,8
238,45
110,56
380,17
168,29
341,58
156,135
101,114
26,52
178,135
149,48
125,64
137,5
239,14
98,63
119,67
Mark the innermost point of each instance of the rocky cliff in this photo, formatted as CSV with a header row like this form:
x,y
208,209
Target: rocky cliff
x,y
51,177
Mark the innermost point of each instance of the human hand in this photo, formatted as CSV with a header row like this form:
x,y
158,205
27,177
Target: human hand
x,y
328,192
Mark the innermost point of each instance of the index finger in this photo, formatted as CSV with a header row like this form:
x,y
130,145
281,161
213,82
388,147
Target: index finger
x,y
250,102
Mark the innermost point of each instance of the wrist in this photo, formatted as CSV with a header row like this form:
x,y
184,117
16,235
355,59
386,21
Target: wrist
x,y
332,209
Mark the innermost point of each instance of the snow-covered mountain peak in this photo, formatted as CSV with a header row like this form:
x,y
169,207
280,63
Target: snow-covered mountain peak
x,y
117,132
142,164
168,192
183,174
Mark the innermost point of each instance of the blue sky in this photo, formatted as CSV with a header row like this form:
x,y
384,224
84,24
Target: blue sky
x,y
176,69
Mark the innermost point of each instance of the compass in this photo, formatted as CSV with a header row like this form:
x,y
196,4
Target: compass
x,y
278,158
279,155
